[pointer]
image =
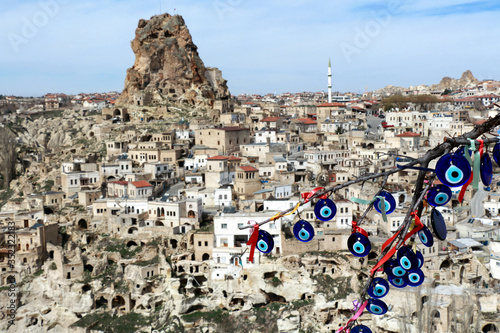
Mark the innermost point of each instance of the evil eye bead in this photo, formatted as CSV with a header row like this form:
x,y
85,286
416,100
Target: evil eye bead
x,y
376,307
265,242
359,244
415,278
378,288
389,265
407,259
360,329
453,170
439,195
325,210
303,231
496,153
390,203
438,224
420,258
486,170
398,282
398,271
425,237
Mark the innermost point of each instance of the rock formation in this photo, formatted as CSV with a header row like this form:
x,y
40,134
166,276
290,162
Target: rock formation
x,y
168,69
466,80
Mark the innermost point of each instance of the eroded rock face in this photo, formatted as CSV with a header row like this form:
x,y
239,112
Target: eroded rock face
x,y
467,80
168,68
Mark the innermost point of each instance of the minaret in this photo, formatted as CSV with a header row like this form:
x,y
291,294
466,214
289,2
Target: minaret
x,y
329,81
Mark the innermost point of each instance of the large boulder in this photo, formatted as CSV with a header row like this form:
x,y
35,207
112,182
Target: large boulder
x,y
168,68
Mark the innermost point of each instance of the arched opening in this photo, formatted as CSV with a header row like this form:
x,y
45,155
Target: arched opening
x,y
131,243
118,302
462,273
117,113
195,308
48,210
88,268
51,254
445,265
147,290
490,328
163,212
86,288
132,230
205,256
436,314
260,208
401,198
191,214
372,255
25,260
173,243
159,224
101,303
82,224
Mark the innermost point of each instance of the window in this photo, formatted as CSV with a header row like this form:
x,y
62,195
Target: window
x,y
223,226
240,225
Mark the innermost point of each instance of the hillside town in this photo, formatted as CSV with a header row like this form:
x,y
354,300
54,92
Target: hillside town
x,y
130,209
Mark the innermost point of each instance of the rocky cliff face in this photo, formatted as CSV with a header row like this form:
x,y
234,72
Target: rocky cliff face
x,y
465,81
168,68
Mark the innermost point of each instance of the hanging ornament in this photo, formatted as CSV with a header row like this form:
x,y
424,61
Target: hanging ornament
x,y
415,278
392,268
303,231
360,329
265,243
398,282
407,259
358,243
378,288
420,258
425,237
496,153
325,210
453,170
486,170
389,203
439,195
376,307
438,224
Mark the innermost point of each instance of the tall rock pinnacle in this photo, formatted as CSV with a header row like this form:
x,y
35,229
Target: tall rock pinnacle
x,y
168,69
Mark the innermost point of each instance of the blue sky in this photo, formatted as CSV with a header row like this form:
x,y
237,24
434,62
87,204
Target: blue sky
x,y
260,46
